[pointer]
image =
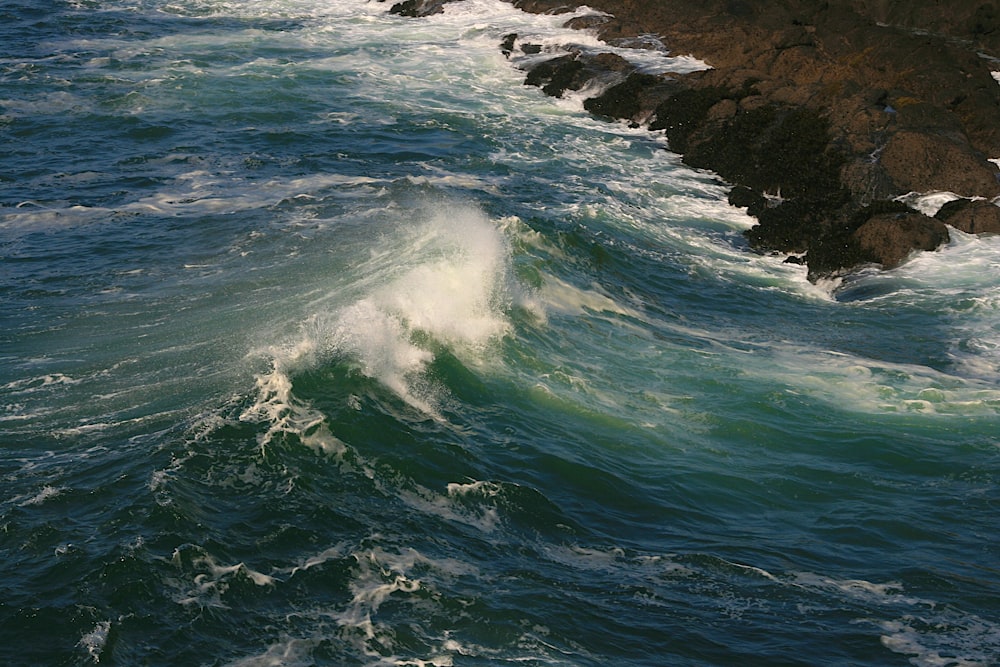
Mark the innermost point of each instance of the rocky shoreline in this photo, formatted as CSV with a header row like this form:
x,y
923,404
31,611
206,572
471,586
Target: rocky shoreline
x,y
823,116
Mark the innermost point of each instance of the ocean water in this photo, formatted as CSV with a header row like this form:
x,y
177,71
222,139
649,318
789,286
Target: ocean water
x,y
325,341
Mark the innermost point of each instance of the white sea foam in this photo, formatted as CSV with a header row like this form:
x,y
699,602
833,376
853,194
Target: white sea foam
x,y
928,203
475,488
943,640
866,385
449,281
443,281
959,282
47,103
94,641
557,295
550,32
931,634
203,582
483,515
45,494
194,192
282,412
336,552
588,558
378,574
891,593
288,653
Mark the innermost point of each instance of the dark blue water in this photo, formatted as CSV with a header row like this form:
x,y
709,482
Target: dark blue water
x,y
325,341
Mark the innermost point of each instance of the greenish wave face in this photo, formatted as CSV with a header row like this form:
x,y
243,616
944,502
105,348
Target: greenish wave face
x,y
325,341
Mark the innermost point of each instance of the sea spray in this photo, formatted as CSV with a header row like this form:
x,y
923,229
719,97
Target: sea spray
x,y
445,282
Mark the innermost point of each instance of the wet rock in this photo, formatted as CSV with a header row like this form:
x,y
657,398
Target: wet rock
x,y
772,149
544,6
821,113
743,197
587,22
971,216
684,113
790,227
511,41
630,99
889,238
884,234
575,70
418,8
507,44
558,75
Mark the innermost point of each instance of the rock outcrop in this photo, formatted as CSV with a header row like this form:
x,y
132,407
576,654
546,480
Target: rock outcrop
x,y
418,8
971,216
820,113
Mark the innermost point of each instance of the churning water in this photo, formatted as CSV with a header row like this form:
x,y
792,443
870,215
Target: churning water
x,y
325,341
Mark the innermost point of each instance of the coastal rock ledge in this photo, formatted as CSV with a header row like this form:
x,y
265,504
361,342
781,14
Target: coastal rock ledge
x,y
822,115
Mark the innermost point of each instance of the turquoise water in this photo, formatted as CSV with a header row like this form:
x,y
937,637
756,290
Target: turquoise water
x,y
325,341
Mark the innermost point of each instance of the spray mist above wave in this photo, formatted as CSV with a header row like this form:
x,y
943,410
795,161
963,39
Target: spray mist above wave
x,y
444,282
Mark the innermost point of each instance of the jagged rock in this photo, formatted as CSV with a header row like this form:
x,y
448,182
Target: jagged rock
x,y
627,99
507,45
867,181
587,22
543,6
574,70
558,75
772,149
971,216
790,227
418,8
743,197
684,112
885,233
820,112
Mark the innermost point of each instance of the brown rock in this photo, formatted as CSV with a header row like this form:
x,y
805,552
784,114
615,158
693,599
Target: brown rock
x,y
971,216
920,162
891,237
838,106
722,111
867,182
977,21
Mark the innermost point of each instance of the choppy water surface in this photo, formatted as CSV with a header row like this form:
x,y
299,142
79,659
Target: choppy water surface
x,y
324,341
